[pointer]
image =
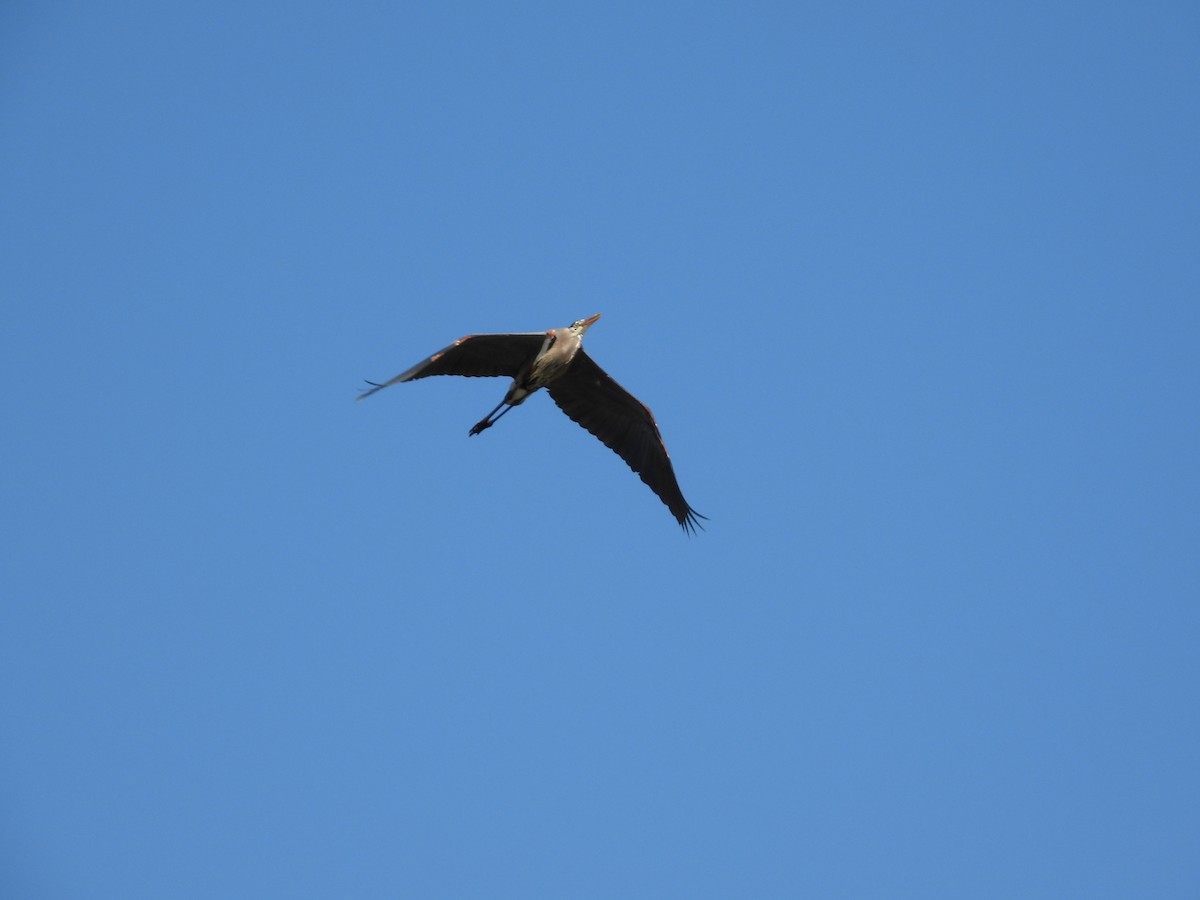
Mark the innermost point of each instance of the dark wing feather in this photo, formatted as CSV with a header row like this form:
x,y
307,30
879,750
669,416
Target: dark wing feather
x,y
475,354
587,394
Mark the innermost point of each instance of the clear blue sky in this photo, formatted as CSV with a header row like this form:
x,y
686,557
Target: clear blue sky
x,y
914,291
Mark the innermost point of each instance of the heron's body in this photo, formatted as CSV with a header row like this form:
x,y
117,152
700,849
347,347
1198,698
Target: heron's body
x,y
555,360
552,360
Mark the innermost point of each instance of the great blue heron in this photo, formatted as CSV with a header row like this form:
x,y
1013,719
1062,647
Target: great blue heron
x,y
555,360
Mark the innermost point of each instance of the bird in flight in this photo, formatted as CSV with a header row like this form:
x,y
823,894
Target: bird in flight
x,y
556,360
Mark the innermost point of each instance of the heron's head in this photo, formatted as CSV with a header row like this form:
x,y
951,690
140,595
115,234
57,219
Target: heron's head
x,y
583,325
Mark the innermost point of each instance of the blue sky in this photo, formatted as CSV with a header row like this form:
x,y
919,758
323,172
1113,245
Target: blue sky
x,y
913,292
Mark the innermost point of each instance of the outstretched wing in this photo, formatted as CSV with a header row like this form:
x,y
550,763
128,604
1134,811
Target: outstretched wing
x,y
475,354
587,394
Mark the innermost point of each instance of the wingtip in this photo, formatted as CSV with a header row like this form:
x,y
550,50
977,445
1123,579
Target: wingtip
x,y
691,521
375,386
